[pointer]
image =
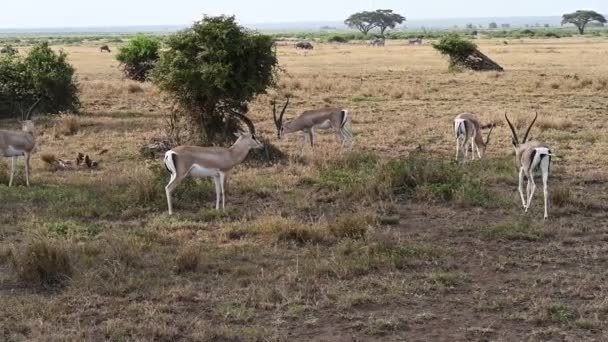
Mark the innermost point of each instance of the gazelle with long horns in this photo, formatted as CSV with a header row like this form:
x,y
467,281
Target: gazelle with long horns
x,y
14,144
336,119
215,162
529,157
468,132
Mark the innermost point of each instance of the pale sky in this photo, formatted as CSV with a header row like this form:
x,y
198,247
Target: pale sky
x,y
79,13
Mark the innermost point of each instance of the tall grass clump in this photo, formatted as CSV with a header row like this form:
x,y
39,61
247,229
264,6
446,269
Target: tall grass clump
x,y
433,180
350,174
41,263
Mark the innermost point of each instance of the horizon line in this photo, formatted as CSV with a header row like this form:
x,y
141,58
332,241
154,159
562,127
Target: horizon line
x,y
264,23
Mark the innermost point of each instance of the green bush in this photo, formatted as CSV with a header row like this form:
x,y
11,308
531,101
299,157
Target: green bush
x,y
138,57
456,47
43,74
434,180
337,39
213,69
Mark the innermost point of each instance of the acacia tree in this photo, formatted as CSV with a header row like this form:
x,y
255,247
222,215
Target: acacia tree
x,y
385,19
580,19
212,70
362,21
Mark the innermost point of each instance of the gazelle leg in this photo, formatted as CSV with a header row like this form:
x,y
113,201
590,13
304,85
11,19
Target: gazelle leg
x,y
218,191
532,190
311,134
521,187
13,162
27,168
473,148
169,189
545,169
466,150
478,153
304,142
222,182
457,148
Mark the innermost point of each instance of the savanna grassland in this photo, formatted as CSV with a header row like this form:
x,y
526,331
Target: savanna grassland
x,y
390,240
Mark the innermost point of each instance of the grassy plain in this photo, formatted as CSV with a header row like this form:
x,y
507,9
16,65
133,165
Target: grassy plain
x,y
389,241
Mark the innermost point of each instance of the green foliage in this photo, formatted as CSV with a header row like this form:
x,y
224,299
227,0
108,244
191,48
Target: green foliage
x,y
367,21
559,313
519,230
362,21
139,56
433,180
580,19
43,74
387,19
350,174
213,68
9,50
456,47
338,39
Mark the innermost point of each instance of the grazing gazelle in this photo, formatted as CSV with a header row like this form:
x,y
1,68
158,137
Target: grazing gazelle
x,y
326,118
105,48
20,143
468,132
529,157
215,162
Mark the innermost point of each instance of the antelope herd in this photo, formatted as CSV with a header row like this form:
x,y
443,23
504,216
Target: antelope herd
x,y
216,162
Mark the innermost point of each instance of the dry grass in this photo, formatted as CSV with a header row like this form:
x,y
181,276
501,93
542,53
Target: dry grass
x,y
369,244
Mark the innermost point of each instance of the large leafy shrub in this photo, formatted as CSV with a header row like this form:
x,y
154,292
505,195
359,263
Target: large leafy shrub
x,y
138,57
43,74
212,69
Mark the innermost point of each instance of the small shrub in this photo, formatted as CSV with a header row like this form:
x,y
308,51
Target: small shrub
x,y
559,313
351,226
188,259
73,229
520,230
337,39
42,74
302,234
67,124
456,47
134,88
350,174
433,180
42,263
139,56
561,196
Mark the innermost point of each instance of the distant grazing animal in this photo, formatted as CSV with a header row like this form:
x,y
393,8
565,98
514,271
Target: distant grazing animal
x,y
468,133
20,143
326,118
415,41
379,42
105,48
215,162
9,50
304,46
530,157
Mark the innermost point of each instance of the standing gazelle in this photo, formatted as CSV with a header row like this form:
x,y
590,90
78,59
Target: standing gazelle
x,y
215,162
326,118
529,157
15,143
468,132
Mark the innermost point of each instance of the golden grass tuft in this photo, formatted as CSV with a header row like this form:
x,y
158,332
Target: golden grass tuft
x,y
561,124
42,263
188,259
67,124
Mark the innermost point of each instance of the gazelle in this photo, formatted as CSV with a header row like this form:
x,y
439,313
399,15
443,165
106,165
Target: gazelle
x,y
468,132
20,143
326,118
215,162
529,156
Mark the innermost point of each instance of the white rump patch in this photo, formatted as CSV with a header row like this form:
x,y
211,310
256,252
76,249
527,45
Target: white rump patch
x,y
10,151
460,128
199,171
